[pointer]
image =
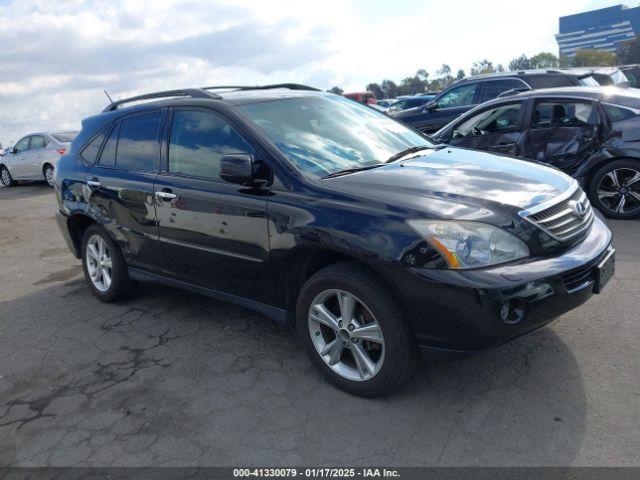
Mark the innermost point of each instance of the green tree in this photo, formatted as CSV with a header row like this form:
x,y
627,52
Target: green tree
x,y
593,58
520,63
460,75
376,89
544,60
389,88
336,90
482,66
630,52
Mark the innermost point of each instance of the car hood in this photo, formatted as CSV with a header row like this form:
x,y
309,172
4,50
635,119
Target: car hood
x,y
454,182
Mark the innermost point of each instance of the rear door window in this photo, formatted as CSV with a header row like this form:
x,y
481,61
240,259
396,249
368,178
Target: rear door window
x,y
554,114
491,89
38,141
138,141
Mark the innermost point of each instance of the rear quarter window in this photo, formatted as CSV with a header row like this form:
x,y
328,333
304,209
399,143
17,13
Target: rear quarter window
x,y
90,152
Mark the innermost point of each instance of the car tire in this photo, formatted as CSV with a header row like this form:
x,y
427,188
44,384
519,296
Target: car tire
x,y
104,267
48,173
615,189
392,355
6,178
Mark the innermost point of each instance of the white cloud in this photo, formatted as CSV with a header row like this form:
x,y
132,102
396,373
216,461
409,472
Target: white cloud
x,y
57,57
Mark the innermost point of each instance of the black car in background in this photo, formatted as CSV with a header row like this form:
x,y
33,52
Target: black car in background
x,y
323,213
592,134
465,94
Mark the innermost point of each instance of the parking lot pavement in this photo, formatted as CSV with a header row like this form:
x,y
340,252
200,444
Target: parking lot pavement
x,y
172,378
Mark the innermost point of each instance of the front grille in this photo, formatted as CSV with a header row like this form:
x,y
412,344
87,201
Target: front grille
x,y
579,278
567,220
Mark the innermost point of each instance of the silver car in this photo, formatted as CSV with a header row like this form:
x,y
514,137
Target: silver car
x,y
34,157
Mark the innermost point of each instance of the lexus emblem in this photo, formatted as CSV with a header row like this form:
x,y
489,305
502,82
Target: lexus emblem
x,y
578,208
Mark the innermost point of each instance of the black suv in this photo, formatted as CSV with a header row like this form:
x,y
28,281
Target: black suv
x,y
592,134
329,215
469,92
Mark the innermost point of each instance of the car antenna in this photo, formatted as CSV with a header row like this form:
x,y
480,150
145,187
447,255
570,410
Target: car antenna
x,y
108,96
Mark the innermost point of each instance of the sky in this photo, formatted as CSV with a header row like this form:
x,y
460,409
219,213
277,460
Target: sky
x,y
57,56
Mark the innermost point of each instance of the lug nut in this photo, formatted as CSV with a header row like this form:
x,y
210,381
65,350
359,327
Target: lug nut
x,y
351,327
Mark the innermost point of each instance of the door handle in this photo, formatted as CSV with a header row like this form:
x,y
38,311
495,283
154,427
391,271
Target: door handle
x,y
166,195
93,183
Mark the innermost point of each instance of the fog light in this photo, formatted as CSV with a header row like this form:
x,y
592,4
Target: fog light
x,y
513,311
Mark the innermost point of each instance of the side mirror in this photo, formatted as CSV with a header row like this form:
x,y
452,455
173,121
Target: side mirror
x,y
237,168
430,106
15,151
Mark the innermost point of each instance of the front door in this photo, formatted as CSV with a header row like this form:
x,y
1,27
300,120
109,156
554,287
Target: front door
x,y
562,133
496,129
17,160
213,234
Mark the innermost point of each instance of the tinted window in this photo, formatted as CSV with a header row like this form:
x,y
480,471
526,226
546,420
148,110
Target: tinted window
x,y
564,114
616,113
493,88
22,145
65,137
555,80
38,141
90,152
108,155
458,96
137,142
199,140
494,120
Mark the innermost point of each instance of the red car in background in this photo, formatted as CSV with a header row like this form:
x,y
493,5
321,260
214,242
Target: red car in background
x,y
368,98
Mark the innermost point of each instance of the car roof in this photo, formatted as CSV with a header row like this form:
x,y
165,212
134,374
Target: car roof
x,y
625,96
525,73
235,95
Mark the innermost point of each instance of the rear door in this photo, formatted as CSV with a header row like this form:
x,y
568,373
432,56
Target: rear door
x,y
121,186
36,153
496,129
213,233
562,132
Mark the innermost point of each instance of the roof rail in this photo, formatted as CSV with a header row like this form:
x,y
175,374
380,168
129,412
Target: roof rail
x,y
513,91
289,86
189,92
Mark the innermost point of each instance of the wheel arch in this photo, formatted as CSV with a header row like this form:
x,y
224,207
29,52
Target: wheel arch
x,y
305,262
78,224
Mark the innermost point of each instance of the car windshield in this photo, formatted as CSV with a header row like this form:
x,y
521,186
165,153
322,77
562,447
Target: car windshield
x,y
325,134
65,137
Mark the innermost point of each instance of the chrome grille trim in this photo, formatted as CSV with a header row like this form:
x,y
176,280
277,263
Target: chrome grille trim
x,y
559,217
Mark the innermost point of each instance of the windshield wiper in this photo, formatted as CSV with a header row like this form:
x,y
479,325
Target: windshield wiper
x,y
347,171
410,150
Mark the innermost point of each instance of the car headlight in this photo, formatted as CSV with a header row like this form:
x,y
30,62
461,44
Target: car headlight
x,y
470,244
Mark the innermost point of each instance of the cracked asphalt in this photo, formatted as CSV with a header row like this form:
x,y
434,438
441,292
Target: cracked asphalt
x,y
173,378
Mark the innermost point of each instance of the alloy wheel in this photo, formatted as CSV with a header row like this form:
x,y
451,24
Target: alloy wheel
x,y
6,177
619,191
99,263
48,175
346,335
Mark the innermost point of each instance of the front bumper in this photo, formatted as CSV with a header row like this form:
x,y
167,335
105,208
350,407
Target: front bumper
x,y
460,311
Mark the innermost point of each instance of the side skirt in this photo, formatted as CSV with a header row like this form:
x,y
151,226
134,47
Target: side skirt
x,y
277,314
